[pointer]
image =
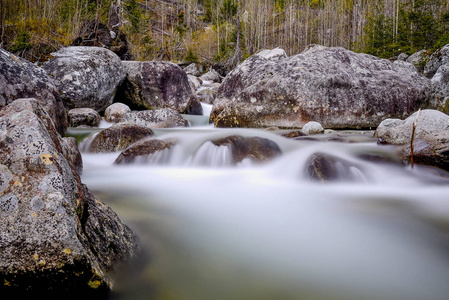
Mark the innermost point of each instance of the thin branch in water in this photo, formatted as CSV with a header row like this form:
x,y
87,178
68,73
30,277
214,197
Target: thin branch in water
x,y
415,123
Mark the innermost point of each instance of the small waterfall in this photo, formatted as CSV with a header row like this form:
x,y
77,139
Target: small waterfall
x,y
211,155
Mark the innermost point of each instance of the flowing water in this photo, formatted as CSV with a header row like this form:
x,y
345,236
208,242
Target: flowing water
x,y
377,229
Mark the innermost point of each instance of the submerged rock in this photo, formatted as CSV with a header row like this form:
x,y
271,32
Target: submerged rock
x,y
22,79
143,151
325,167
56,237
116,138
86,76
155,85
253,148
333,86
83,117
160,118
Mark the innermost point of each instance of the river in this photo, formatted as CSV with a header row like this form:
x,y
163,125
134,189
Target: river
x,y
213,230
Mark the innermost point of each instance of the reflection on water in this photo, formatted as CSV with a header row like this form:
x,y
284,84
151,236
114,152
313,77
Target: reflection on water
x,y
375,229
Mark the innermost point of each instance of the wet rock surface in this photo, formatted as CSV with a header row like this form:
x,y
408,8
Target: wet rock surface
x,y
155,85
22,79
256,149
116,138
333,86
56,237
86,76
143,150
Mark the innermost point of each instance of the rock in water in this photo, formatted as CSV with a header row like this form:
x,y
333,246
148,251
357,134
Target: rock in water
x,y
399,132
22,79
55,235
115,112
159,118
86,76
333,86
157,84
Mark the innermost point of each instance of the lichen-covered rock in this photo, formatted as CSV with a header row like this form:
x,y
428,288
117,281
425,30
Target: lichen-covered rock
x,y
403,56
256,149
194,82
115,138
436,60
86,76
48,243
115,112
83,117
72,154
399,132
22,79
333,86
419,59
160,118
212,75
313,128
155,85
440,83
406,65
194,69
144,151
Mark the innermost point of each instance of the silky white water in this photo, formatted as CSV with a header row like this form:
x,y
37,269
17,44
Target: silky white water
x,y
214,230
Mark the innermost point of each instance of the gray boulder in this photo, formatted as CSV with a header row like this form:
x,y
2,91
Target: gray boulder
x,y
155,85
403,56
212,75
79,117
115,112
86,76
55,235
431,149
207,95
273,54
419,59
333,86
440,83
160,118
22,79
194,69
406,65
115,138
194,82
399,132
312,128
436,60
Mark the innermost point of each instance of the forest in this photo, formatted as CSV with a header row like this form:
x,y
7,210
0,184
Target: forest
x,y
227,31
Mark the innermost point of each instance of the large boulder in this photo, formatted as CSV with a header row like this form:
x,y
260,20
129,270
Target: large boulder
x,y
333,86
115,112
56,237
86,76
440,83
399,132
79,117
157,84
22,79
436,60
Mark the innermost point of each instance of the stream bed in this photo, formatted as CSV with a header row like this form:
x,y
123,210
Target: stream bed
x,y
378,229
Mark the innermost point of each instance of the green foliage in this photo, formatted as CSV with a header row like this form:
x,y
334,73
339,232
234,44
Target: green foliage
x,y
228,9
133,13
191,56
21,42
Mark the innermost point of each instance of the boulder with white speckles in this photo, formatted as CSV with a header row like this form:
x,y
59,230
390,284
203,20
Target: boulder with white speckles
x,y
86,76
21,79
155,85
56,237
333,86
